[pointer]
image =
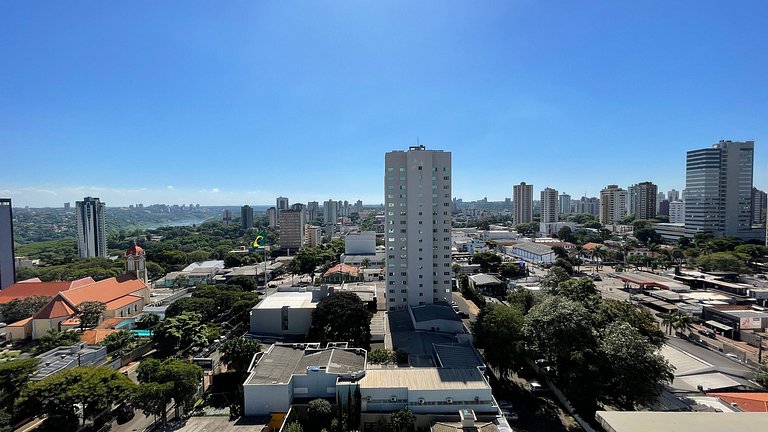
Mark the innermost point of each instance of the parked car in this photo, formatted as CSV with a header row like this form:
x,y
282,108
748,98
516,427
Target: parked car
x,y
509,415
535,387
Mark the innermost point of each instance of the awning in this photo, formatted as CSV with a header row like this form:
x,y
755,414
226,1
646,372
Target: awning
x,y
718,325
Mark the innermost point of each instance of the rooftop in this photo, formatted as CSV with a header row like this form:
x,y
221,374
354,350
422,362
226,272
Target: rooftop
x,y
24,289
424,379
282,362
537,248
750,402
434,311
485,279
291,299
642,421
204,264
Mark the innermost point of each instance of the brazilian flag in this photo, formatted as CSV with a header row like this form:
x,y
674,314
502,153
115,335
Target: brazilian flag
x,y
260,240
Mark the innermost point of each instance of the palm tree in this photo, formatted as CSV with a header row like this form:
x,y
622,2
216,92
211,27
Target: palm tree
x,y
654,248
626,248
599,253
667,323
682,322
149,320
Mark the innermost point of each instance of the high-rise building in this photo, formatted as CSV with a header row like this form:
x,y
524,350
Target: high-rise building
x,y
677,212
673,195
417,190
586,205
659,198
226,217
522,203
718,190
358,207
272,217
564,203
246,217
313,210
613,204
67,206
7,259
313,235
549,205
759,199
282,204
664,207
291,230
642,197
91,228
330,212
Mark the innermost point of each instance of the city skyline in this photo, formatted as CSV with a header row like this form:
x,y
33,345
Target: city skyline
x,y
209,107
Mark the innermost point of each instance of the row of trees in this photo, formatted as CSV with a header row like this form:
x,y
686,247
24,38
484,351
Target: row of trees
x,y
601,351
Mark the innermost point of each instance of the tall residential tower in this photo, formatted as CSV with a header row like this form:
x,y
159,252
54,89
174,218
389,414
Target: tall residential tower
x,y
91,228
549,206
7,261
417,189
522,203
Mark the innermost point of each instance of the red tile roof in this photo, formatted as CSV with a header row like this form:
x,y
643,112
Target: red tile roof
x,y
750,402
122,301
22,290
105,290
96,336
56,308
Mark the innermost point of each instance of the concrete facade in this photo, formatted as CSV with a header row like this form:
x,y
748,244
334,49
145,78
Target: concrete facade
x,y
522,203
549,206
91,228
613,204
7,259
360,243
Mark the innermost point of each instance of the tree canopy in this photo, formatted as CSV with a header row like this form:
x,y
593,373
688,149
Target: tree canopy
x,y
19,309
341,317
498,331
181,333
237,353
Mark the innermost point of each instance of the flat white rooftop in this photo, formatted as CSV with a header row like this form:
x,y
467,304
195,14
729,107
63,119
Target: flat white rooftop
x,y
299,300
643,421
424,379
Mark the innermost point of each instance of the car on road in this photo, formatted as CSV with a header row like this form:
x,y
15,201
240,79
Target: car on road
x,y
733,356
509,414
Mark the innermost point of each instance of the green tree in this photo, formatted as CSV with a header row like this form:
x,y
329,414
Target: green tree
x,y
13,375
198,256
581,290
148,370
522,299
724,261
95,388
181,333
564,264
762,373
89,313
119,342
634,375
294,427
610,311
554,277
682,322
186,378
205,307
52,339
153,398
512,270
5,421
19,309
488,261
565,234
341,317
237,353
403,420
148,320
319,413
245,283
498,331
381,356
557,327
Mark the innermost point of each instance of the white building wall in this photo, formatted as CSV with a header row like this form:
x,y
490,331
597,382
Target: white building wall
x,y
270,321
362,243
265,399
677,212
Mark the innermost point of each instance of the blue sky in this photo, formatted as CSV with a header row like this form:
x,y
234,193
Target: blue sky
x,y
240,102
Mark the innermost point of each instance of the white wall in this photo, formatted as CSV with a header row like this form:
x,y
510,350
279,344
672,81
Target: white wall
x,y
267,398
363,243
270,321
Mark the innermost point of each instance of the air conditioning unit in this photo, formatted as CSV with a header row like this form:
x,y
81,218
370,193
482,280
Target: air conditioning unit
x,y
421,401
393,399
449,400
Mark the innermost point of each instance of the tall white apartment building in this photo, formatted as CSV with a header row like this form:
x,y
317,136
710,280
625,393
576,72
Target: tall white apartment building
x,y
642,199
718,190
91,228
272,216
673,195
7,261
522,203
330,212
613,204
549,205
313,235
313,209
417,190
677,212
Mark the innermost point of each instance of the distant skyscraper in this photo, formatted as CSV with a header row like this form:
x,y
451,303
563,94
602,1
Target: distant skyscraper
x,y
417,201
664,208
226,217
313,210
91,228
549,205
330,212
313,235
67,206
587,205
758,206
677,212
291,230
659,198
282,204
358,207
642,197
522,203
718,190
7,259
673,195
613,205
246,217
272,217
564,203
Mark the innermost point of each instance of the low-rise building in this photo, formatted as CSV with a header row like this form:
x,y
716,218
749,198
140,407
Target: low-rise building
x,y
285,314
486,283
360,243
67,357
341,273
536,253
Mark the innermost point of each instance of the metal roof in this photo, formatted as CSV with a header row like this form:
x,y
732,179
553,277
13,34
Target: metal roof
x,y
485,279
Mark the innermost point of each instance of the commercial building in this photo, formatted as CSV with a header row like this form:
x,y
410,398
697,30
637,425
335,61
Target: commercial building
x,y
549,206
91,228
418,226
537,253
522,203
7,257
564,203
677,212
246,217
613,204
286,314
642,200
291,229
68,357
360,243
718,190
